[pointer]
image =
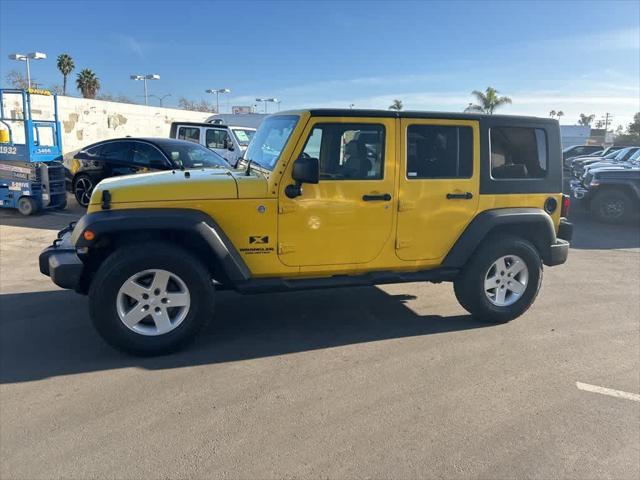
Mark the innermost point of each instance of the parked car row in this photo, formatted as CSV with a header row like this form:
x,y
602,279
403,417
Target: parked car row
x,y
610,185
192,145
128,156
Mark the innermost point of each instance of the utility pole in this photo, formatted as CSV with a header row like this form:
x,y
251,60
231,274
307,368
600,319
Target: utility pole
x,y
607,117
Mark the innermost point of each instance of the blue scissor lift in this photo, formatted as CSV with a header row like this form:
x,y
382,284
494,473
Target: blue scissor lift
x,y
31,170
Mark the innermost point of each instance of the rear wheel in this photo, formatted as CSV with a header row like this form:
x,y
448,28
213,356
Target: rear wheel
x,y
501,281
27,206
611,207
151,299
82,189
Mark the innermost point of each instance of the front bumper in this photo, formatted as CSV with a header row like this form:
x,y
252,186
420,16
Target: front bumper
x,y
60,261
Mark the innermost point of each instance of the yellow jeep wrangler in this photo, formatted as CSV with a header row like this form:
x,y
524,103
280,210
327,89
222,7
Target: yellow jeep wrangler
x,y
324,198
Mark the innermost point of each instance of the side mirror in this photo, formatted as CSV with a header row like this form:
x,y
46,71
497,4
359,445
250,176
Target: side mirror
x,y
305,170
230,147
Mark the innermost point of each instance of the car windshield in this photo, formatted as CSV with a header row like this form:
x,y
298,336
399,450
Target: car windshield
x,y
635,157
243,136
613,154
192,155
270,139
622,154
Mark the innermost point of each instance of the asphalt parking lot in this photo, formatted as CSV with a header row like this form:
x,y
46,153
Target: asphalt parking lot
x,y
373,382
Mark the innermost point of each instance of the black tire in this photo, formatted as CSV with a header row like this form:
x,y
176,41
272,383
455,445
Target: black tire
x,y
126,262
82,189
27,206
469,286
611,207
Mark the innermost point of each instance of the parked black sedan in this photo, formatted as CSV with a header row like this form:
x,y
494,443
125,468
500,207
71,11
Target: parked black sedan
x,y
127,156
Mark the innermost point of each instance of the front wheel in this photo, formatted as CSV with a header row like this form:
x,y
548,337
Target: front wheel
x,y
611,207
501,281
150,299
82,189
27,206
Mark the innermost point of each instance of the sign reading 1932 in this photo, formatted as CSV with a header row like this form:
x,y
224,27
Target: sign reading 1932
x,y
8,150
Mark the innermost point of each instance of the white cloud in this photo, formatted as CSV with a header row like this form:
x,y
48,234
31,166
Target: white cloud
x,y
131,44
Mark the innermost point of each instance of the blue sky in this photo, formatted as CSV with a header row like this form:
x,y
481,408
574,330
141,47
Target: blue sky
x,y
575,56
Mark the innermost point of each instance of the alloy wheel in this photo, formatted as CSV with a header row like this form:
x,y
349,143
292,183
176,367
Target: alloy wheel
x,y
83,190
153,302
612,208
506,280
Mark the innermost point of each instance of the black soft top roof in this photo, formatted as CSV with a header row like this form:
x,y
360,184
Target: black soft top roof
x,y
348,112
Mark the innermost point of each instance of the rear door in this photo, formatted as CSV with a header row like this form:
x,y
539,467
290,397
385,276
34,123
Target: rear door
x,y
439,185
116,158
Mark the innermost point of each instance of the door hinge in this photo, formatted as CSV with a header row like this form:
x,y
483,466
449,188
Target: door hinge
x,y
404,205
286,248
287,208
402,244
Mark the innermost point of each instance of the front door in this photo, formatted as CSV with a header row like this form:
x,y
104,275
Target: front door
x,y
219,140
347,217
439,184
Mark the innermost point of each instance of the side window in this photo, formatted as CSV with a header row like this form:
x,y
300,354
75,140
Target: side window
x,y
347,151
189,133
518,152
146,155
438,151
217,138
93,152
117,152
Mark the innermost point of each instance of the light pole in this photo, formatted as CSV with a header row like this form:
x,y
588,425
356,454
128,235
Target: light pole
x,y
218,91
25,58
144,78
265,100
161,97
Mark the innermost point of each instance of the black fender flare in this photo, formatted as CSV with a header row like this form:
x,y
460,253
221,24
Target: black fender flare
x,y
535,222
195,222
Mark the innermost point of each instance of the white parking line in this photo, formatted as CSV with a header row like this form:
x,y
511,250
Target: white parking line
x,y
608,391
61,214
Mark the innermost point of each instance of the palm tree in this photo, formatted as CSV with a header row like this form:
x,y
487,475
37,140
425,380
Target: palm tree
x,y
487,101
560,114
66,66
88,83
396,105
552,113
586,119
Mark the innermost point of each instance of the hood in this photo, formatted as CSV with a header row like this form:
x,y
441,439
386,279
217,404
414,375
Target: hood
x,y
177,185
619,170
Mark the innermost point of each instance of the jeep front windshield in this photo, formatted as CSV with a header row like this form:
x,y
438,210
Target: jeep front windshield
x,y
270,139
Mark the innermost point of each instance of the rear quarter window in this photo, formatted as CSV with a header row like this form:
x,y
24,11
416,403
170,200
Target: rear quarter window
x,y
518,153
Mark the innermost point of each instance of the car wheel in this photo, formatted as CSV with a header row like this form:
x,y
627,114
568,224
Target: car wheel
x,y
150,299
82,189
611,207
27,206
501,281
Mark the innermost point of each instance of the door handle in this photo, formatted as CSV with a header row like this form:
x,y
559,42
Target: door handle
x,y
461,196
372,198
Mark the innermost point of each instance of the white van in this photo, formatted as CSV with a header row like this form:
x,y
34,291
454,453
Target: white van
x,y
228,141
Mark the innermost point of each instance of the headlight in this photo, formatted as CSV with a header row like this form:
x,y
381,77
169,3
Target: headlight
x,y
594,182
